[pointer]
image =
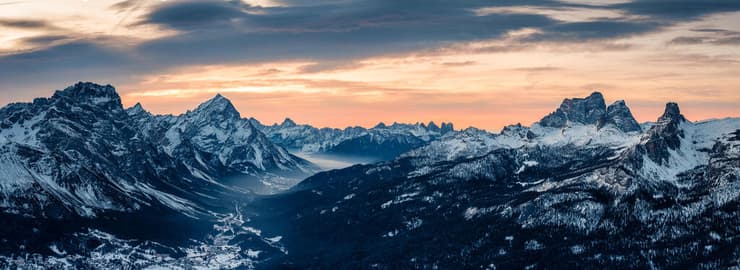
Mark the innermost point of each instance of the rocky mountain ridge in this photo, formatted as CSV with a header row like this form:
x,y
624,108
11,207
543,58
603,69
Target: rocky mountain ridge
x,y
88,184
577,194
382,142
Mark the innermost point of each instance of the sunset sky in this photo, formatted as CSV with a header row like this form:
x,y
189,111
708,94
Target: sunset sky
x,y
343,62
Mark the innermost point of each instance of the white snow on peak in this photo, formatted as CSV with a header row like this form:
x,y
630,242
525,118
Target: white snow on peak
x,y
25,133
698,137
472,143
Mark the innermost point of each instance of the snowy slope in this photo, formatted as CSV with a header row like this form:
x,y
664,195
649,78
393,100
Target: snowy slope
x,y
76,154
87,184
569,193
214,139
381,142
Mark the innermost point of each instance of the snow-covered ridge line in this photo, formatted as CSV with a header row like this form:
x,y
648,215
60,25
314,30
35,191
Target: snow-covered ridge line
x,y
381,142
79,153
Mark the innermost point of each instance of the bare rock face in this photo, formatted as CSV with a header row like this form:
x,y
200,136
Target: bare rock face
x,y
446,128
588,110
592,110
619,115
666,134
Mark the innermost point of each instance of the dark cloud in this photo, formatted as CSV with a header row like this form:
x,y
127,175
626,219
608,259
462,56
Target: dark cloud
x,y
594,30
709,36
44,39
332,32
699,60
191,15
67,62
236,32
687,40
25,24
678,9
329,66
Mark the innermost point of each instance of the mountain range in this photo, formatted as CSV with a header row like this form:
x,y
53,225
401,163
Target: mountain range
x,y
382,142
85,183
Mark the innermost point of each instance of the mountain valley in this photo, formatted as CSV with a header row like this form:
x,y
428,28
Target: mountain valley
x,y
86,183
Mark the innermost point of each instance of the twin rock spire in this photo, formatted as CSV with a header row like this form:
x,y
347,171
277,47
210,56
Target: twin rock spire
x,y
592,110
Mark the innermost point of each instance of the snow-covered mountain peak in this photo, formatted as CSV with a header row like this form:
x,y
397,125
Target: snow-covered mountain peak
x,y
446,127
433,127
577,122
595,97
517,130
672,188
288,123
591,110
88,93
136,110
88,90
620,116
671,114
217,106
588,110
667,135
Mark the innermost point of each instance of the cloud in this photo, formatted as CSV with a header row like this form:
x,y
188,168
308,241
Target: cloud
x,y
334,33
681,10
459,63
26,24
686,40
191,15
330,66
594,30
44,39
126,5
538,69
708,36
227,31
67,62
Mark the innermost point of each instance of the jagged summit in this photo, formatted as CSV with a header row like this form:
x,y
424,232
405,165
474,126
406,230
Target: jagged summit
x,y
667,134
216,101
588,110
446,127
136,109
255,122
619,115
88,89
218,105
90,93
433,127
592,110
288,123
671,114
517,130
380,125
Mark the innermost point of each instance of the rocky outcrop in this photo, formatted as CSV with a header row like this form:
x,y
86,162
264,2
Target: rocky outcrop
x,y
592,110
